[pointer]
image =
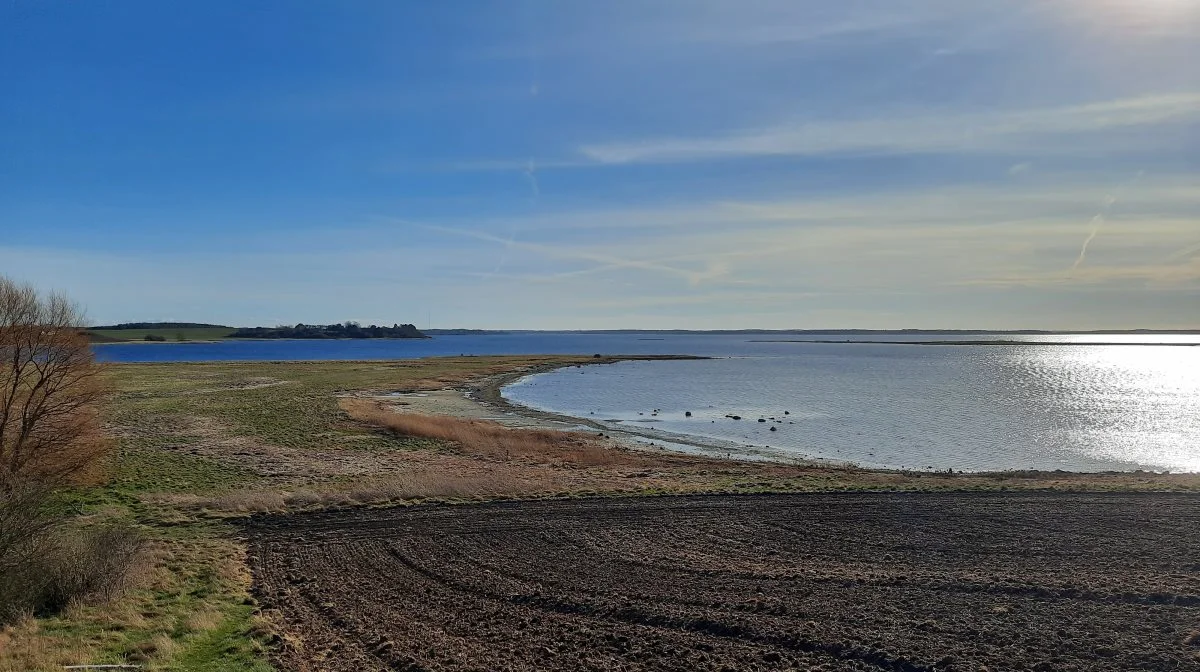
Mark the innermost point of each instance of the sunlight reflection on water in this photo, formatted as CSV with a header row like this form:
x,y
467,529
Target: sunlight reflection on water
x,y
1084,408
1132,404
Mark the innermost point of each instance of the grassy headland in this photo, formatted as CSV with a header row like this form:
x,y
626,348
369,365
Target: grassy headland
x,y
201,445
194,331
159,331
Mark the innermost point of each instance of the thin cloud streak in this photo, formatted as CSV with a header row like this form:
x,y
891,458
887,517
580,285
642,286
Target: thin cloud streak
x,y
692,277
1096,222
1068,198
1043,130
1185,253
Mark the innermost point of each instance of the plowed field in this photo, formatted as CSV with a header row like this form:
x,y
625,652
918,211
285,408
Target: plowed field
x,y
823,581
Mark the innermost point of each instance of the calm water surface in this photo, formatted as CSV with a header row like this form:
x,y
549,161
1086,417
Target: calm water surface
x,y
1072,407
1077,408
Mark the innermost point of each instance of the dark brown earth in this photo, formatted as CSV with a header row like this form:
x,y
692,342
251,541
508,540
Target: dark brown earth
x,y
917,581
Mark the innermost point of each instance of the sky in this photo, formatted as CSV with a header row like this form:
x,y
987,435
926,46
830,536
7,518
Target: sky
x,y
560,164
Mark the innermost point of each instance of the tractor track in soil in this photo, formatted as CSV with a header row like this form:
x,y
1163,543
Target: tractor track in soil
x,y
840,581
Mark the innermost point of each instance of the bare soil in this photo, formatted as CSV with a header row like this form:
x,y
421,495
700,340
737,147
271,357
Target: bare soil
x,y
835,581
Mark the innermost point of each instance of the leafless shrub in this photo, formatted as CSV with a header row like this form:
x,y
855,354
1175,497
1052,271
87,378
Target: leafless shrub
x,y
90,564
25,540
63,567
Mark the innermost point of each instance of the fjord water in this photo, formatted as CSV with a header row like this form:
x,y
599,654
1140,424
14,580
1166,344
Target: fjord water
x,y
549,343
974,408
984,407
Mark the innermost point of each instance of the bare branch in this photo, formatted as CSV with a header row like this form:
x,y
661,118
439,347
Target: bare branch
x,y
49,390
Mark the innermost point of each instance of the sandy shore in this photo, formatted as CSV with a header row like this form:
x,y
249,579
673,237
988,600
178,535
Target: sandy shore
x,y
484,400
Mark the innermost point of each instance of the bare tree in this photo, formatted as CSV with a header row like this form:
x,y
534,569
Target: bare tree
x,y
50,390
50,436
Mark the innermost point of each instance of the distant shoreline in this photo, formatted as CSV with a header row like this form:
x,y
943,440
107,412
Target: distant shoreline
x,y
861,332
186,332
973,343
212,341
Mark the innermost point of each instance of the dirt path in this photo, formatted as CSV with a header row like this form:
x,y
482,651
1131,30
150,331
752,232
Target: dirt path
x,y
822,581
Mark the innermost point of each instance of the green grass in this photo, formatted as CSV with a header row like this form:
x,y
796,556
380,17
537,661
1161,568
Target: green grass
x,y
288,404
230,646
171,335
149,470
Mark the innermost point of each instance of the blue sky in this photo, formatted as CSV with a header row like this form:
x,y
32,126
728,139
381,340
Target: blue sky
x,y
562,164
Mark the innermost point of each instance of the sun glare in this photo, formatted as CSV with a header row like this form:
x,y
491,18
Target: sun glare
x,y
1126,20
1160,7
1157,5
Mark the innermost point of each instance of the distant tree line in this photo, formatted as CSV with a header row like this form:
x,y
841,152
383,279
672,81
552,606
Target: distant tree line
x,y
343,330
160,325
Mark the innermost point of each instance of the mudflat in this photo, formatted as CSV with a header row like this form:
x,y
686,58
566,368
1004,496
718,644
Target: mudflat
x,y
836,581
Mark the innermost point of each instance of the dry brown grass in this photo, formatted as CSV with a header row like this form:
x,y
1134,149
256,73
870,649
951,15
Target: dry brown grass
x,y
381,490
493,440
416,486
24,647
247,501
204,620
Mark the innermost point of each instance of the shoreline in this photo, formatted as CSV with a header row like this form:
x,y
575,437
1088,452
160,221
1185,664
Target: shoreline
x,y
256,339
484,400
972,343
489,392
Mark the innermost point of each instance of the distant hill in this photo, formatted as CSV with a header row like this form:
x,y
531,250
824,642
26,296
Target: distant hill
x,y
158,331
157,325
199,331
345,330
95,337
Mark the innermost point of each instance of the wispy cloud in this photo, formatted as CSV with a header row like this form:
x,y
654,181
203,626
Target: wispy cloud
x,y
1070,198
691,24
1185,253
787,23
1002,234
606,261
1183,277
1041,130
